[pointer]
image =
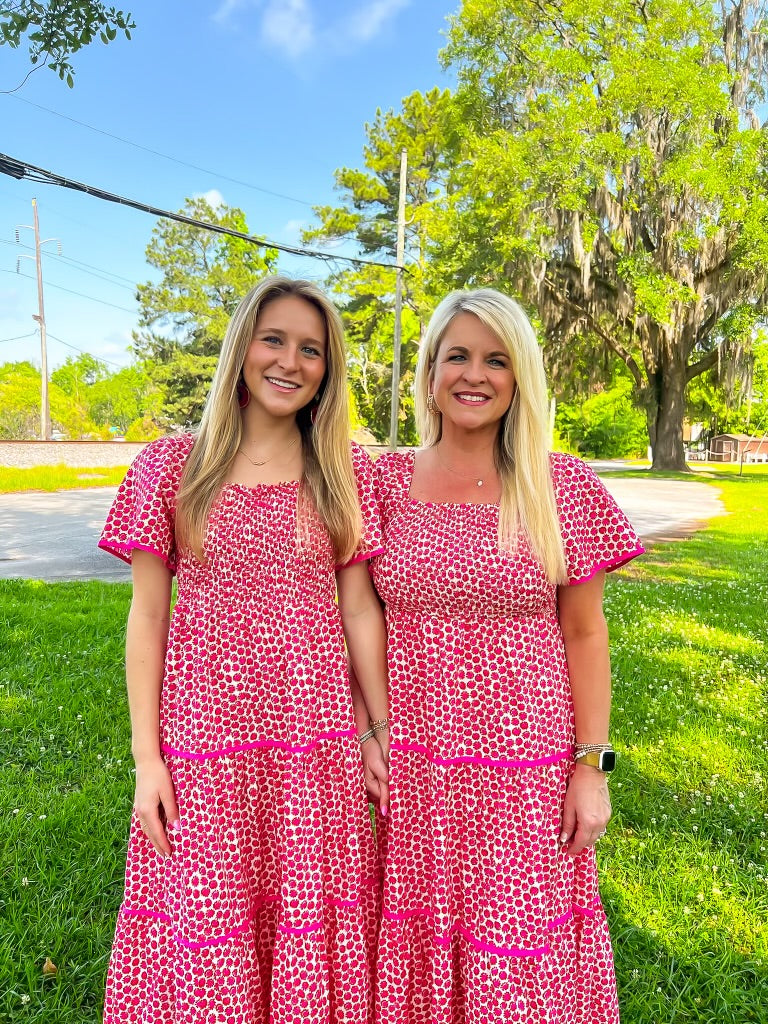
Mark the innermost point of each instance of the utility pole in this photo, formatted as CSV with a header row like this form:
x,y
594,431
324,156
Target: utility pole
x,y
395,407
45,410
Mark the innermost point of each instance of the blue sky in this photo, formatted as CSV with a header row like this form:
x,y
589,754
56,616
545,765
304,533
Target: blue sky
x,y
274,93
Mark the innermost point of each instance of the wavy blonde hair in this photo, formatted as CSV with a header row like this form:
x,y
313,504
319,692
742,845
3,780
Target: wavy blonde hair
x,y
527,502
328,484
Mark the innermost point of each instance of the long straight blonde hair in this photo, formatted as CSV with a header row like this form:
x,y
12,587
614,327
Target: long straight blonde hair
x,y
328,483
527,502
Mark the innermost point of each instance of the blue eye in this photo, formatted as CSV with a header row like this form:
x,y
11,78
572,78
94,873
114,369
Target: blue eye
x,y
272,339
310,350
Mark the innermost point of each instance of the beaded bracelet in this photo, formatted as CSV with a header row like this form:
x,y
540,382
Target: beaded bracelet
x,y
379,725
365,737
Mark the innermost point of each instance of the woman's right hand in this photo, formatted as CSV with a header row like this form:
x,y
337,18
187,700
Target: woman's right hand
x,y
155,803
376,774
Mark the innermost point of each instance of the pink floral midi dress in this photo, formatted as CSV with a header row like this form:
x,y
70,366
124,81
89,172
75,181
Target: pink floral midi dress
x,y
485,919
266,911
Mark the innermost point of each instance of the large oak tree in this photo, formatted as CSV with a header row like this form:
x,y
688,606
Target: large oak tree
x,y
613,172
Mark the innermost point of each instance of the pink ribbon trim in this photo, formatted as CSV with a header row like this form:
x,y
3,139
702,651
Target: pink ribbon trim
x,y
493,762
615,563
285,929
361,558
117,549
188,755
487,947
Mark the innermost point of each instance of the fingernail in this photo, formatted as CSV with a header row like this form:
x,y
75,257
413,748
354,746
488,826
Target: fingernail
x,y
563,838
174,825
384,810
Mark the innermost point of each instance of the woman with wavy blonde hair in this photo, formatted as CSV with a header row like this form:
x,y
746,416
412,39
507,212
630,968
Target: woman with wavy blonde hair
x,y
495,553
250,885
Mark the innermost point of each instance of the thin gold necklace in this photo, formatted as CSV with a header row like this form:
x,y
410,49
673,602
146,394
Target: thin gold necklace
x,y
253,462
455,472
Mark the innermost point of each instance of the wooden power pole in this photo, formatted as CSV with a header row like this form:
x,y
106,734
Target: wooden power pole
x,y
395,407
45,409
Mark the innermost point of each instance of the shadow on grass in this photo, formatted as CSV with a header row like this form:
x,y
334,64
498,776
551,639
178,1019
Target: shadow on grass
x,y
717,986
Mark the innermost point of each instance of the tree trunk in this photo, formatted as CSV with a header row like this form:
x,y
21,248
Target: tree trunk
x,y
670,381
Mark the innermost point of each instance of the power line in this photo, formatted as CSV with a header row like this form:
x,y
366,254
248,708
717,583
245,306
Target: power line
x,y
19,169
165,156
82,295
18,337
104,275
85,268
83,352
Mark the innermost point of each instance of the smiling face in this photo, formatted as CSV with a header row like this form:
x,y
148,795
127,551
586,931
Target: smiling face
x,y
286,360
471,380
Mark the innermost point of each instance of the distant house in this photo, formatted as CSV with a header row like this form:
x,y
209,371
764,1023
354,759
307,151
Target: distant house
x,y
737,448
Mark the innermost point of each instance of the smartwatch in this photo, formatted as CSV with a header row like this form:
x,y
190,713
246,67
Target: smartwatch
x,y
603,760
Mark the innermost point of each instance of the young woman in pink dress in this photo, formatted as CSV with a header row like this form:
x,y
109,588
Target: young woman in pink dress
x,y
251,891
495,553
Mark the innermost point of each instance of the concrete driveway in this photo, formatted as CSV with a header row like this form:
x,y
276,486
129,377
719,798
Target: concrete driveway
x,y
53,536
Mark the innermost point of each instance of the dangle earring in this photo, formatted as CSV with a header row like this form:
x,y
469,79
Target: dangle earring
x,y
315,407
431,403
243,394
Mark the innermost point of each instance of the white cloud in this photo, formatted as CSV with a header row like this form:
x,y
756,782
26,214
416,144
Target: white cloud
x,y
294,28
227,8
213,197
370,18
293,229
288,25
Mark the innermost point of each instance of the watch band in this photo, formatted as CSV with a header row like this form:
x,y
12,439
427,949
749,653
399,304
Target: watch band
x,y
603,760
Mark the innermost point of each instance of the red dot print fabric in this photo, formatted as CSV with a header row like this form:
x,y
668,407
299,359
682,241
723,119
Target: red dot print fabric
x,y
485,919
266,912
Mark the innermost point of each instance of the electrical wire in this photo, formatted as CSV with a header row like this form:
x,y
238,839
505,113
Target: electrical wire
x,y
19,169
19,337
165,156
84,353
103,275
81,295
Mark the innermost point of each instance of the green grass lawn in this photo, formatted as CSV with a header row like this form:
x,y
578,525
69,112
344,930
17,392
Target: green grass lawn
x,y
57,478
685,876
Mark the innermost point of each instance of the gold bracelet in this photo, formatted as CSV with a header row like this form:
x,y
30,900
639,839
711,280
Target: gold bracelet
x,y
379,725
588,748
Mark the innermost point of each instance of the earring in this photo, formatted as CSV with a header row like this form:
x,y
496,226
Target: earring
x,y
315,407
431,403
243,394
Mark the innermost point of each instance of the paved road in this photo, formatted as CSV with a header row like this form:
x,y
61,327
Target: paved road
x,y
53,536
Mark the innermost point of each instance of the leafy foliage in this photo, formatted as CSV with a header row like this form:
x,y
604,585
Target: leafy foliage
x,y
55,31
86,400
606,426
184,316
368,214
20,397
612,170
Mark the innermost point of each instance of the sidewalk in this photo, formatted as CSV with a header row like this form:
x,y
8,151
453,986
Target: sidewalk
x,y
53,536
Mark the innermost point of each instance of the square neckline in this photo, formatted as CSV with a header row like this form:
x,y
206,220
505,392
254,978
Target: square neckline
x,y
410,456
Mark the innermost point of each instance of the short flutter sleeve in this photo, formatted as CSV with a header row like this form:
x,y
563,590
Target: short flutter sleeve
x,y
371,542
142,516
596,533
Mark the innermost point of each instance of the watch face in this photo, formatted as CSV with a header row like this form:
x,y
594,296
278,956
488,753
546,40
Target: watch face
x,y
607,761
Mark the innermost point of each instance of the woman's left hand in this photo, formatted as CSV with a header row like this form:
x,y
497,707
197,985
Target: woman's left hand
x,y
376,774
586,811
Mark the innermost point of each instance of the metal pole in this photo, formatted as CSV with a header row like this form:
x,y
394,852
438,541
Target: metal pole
x,y
395,406
45,413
